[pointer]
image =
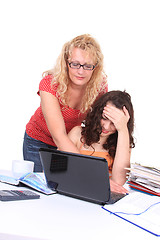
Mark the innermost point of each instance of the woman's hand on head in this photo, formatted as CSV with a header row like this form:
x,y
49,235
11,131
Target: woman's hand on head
x,y
119,117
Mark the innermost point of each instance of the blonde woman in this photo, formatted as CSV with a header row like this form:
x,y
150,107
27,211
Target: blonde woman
x,y
66,92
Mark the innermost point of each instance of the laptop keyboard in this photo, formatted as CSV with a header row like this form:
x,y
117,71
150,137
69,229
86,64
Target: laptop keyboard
x,y
114,197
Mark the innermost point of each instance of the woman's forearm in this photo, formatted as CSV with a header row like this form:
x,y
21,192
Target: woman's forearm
x,y
65,144
122,157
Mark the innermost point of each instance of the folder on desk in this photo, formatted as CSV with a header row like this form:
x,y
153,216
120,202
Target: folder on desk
x,y
32,180
140,209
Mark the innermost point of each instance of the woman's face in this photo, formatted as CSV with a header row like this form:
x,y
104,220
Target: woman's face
x,y
80,77
107,125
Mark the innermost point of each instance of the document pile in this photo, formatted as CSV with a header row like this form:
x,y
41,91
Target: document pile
x,y
145,179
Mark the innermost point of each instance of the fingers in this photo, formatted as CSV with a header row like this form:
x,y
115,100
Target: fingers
x,y
126,112
110,112
119,117
115,187
113,113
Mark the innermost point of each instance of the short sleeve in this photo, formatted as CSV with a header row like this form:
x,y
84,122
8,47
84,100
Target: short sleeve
x,y
47,86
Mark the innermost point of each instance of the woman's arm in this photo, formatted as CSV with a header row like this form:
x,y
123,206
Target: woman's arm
x,y
55,122
120,119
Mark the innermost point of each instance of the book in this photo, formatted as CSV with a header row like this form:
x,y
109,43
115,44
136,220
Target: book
x,y
33,180
141,188
144,178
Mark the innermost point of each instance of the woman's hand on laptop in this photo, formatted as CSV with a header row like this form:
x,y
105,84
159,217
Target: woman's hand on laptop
x,y
115,187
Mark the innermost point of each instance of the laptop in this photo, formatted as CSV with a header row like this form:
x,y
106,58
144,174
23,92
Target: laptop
x,y
79,176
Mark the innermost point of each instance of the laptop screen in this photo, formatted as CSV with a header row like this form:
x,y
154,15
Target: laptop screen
x,y
76,175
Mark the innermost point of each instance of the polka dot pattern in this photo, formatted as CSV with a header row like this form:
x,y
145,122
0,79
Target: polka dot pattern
x,y
37,127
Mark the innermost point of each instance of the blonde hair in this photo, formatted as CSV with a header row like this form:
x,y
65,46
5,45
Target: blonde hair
x,y
60,70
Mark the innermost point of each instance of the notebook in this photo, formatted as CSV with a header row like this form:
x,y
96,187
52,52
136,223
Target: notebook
x,y
79,176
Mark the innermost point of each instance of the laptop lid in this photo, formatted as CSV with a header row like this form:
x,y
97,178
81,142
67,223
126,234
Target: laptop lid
x,y
76,175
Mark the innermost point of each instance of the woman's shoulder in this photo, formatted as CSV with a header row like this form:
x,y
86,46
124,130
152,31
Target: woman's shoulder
x,y
75,135
76,131
47,84
47,80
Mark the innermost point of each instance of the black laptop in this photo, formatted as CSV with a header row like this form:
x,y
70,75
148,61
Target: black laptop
x,y
79,176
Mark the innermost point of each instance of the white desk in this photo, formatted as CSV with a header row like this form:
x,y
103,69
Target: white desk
x,y
60,217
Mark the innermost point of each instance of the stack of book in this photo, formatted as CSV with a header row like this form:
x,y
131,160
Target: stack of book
x,y
145,179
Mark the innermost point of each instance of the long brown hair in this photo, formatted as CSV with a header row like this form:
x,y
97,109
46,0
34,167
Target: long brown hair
x,y
92,130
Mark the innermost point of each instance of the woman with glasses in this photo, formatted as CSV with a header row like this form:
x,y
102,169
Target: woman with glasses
x,y
66,92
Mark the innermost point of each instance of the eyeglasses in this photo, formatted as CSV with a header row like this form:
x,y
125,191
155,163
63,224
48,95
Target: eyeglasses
x,y
75,65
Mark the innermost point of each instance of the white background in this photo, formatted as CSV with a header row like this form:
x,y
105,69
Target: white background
x,y
32,33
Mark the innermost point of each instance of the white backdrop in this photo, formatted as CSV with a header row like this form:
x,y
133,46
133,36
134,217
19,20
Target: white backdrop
x,y
32,34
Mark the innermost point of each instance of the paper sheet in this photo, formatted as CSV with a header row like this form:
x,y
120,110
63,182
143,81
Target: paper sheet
x,y
147,208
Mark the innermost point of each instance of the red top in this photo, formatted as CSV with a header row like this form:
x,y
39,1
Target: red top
x,y
37,127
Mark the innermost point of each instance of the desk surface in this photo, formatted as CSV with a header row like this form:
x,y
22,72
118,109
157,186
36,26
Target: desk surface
x,y
60,217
